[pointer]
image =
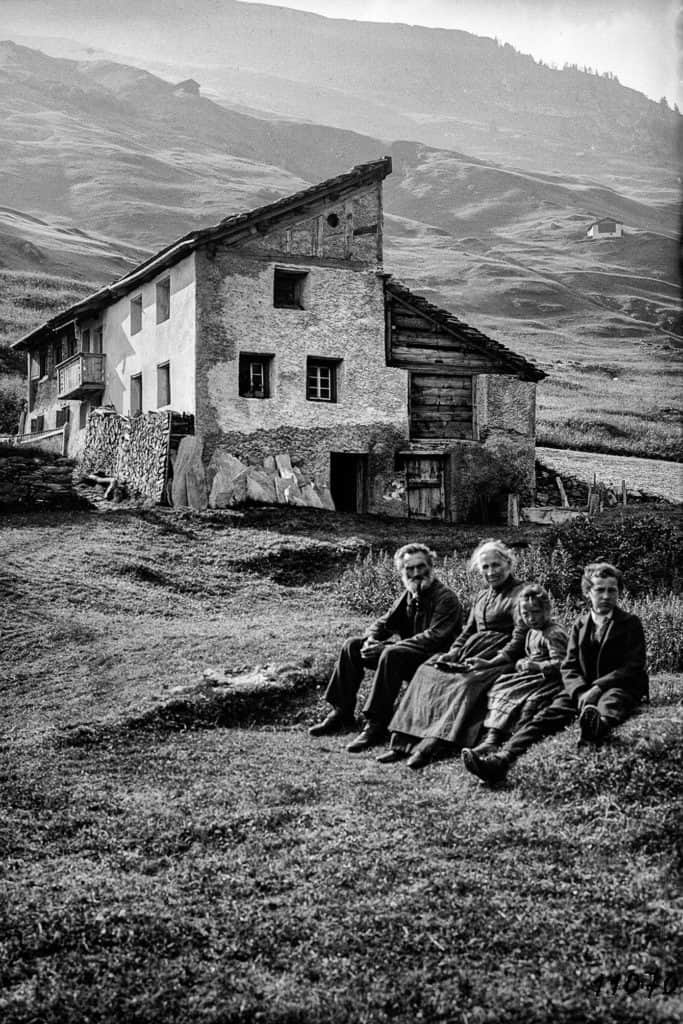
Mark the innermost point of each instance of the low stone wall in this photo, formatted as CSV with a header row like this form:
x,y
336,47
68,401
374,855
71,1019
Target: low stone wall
x,y
133,450
548,492
28,481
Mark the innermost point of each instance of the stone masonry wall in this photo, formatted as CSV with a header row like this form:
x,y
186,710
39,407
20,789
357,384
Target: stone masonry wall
x,y
310,454
338,247
505,405
36,480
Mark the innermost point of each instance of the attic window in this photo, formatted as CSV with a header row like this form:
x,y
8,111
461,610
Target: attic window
x,y
333,220
288,289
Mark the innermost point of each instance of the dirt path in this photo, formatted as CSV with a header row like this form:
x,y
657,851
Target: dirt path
x,y
651,476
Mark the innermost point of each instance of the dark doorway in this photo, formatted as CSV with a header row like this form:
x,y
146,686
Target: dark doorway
x,y
348,481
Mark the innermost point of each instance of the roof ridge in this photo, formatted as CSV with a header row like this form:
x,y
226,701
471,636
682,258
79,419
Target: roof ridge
x,y
451,322
189,242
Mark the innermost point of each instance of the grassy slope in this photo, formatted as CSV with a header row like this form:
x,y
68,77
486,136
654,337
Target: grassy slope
x,y
252,873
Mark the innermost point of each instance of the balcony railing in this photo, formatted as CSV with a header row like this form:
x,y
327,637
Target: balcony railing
x,y
80,375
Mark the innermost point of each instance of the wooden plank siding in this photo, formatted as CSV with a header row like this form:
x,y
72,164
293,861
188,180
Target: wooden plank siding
x,y
440,406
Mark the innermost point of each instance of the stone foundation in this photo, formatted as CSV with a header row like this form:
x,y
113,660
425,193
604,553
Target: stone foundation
x,y
28,481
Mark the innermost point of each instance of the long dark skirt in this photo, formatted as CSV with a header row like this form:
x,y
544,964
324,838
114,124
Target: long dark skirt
x,y
515,698
444,711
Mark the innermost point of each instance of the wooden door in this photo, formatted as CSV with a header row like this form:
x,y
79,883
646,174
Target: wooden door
x,y
425,487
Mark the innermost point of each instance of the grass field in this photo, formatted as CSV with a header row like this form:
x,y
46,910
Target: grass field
x,y
162,867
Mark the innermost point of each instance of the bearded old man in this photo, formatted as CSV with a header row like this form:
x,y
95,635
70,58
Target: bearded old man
x,y
423,621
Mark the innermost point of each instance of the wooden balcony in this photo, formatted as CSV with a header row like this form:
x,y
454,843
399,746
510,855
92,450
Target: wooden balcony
x,y
80,375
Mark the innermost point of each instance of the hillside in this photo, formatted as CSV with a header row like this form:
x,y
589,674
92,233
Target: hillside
x,y
185,853
117,151
447,88
95,152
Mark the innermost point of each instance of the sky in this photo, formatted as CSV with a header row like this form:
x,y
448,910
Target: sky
x,y
634,39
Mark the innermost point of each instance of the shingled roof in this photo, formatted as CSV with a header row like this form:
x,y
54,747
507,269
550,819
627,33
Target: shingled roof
x,y
229,229
507,359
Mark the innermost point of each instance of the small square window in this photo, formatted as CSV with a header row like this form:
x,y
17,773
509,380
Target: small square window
x,y
163,300
37,424
136,314
288,289
163,385
136,394
254,375
321,380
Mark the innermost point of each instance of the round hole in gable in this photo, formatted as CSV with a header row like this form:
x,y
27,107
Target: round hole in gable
x,y
333,220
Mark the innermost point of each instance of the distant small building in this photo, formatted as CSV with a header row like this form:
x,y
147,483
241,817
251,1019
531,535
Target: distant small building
x,y
606,227
188,87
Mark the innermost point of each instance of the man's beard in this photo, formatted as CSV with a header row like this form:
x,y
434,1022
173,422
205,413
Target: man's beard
x,y
416,586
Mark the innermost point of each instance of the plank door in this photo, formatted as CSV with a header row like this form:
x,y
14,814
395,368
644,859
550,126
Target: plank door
x,y
425,487
440,406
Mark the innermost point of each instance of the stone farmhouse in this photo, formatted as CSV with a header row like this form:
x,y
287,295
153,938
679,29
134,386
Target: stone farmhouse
x,y
283,341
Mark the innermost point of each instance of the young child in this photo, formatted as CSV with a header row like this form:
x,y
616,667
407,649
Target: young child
x,y
604,675
517,696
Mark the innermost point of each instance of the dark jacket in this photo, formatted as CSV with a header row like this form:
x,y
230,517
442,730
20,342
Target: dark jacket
x,y
428,624
620,660
495,610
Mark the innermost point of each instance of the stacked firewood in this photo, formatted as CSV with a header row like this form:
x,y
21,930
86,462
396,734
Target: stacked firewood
x,y
106,436
144,459
131,452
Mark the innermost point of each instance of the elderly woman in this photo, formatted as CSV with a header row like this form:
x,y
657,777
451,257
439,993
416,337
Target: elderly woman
x,y
516,697
443,708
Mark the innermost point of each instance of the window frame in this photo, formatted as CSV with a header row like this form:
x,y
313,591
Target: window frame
x,y
318,363
136,314
62,416
163,288
245,363
298,279
136,390
163,368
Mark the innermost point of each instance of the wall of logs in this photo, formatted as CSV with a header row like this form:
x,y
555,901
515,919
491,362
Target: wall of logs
x,y
131,450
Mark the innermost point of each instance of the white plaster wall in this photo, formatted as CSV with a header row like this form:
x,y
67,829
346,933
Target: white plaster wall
x,y
172,341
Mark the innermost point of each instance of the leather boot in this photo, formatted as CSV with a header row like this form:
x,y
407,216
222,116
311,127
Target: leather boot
x,y
337,721
491,768
492,739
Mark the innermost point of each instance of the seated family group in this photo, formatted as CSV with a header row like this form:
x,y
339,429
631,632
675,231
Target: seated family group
x,y
492,688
